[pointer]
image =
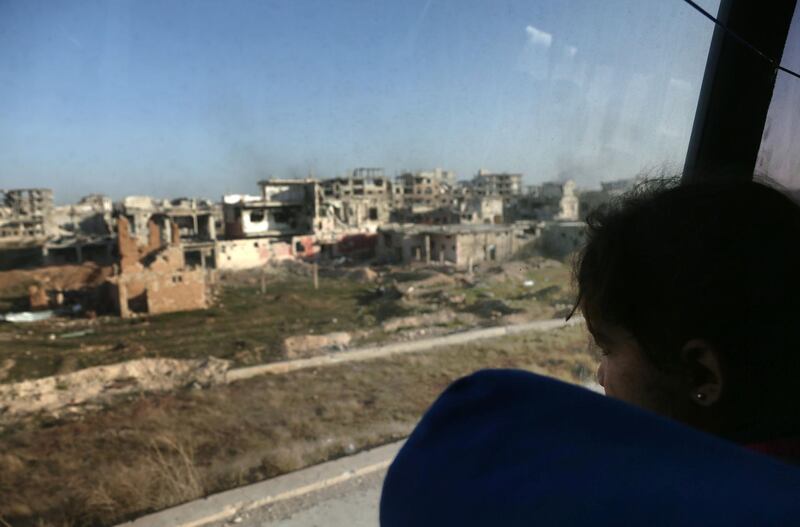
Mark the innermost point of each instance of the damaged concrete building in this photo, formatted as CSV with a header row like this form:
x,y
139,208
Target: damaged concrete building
x,y
550,201
351,210
487,183
425,189
84,232
285,208
25,225
25,214
362,200
279,223
458,245
34,231
482,209
562,238
425,197
198,222
151,275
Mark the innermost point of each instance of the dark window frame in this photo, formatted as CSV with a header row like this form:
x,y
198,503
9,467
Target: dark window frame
x,y
737,90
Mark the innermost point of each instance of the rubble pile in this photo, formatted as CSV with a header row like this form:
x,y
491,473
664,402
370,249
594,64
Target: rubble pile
x,y
97,385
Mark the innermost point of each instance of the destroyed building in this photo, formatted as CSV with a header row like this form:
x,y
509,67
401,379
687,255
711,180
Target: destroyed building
x,y
25,214
279,223
151,275
364,199
550,201
559,239
34,231
425,189
425,197
486,183
198,221
25,225
458,245
482,209
285,208
83,232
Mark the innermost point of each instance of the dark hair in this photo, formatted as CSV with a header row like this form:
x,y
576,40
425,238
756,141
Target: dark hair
x,y
713,261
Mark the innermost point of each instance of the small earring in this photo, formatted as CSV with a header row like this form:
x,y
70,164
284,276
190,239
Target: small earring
x,y
700,396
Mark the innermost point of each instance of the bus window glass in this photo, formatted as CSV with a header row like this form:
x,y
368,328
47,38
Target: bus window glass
x,y
779,155
192,191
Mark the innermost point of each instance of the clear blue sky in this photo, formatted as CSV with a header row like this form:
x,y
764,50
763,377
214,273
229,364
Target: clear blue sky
x,y
177,98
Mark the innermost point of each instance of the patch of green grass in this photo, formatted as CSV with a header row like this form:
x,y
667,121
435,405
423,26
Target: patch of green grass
x,y
245,326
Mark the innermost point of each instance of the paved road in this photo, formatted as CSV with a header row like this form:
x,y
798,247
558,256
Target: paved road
x,y
351,504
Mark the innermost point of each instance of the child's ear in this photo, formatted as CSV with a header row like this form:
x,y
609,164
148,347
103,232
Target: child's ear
x,y
704,373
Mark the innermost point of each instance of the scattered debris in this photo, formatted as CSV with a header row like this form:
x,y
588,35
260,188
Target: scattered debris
x,y
363,274
37,297
431,319
99,384
5,367
28,316
302,346
76,334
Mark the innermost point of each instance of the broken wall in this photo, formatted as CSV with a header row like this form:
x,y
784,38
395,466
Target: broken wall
x,y
177,291
258,252
485,246
559,239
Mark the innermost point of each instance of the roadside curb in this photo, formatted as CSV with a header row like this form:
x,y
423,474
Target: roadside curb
x,y
398,348
226,505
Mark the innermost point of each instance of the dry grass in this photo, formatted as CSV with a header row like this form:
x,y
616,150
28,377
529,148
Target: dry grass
x,y
151,452
247,326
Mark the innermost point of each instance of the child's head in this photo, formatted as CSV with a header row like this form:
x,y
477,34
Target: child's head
x,y
693,294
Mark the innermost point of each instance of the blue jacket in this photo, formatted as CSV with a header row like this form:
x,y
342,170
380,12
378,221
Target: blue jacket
x,y
508,448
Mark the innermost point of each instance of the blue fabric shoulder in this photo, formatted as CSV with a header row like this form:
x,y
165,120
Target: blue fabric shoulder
x,y
508,447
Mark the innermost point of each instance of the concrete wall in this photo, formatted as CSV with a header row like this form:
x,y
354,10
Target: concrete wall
x,y
179,291
560,239
257,252
444,248
244,254
485,246
156,292
447,247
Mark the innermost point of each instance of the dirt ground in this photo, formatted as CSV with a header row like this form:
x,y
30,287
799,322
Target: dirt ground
x,y
149,452
247,326
132,451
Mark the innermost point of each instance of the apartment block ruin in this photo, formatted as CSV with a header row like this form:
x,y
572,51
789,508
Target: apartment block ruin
x,y
198,223
482,210
25,214
486,183
425,190
35,231
550,201
24,225
364,199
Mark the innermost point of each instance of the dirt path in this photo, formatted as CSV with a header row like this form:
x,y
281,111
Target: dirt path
x,y
398,348
97,385
151,451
